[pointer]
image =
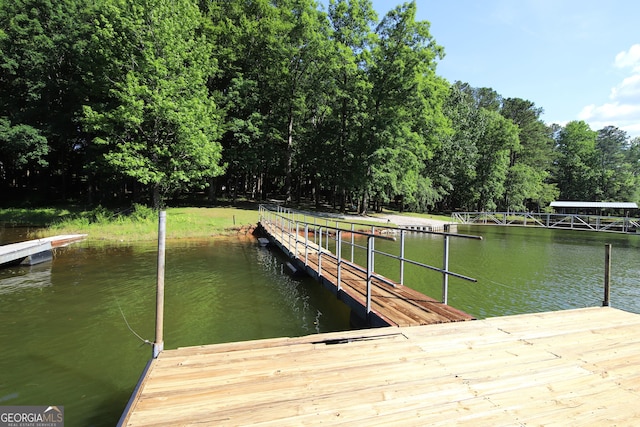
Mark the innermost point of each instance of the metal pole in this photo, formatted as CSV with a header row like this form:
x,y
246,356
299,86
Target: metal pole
x,y
402,234
306,244
339,256
158,344
289,236
352,240
369,271
445,276
607,274
326,240
320,255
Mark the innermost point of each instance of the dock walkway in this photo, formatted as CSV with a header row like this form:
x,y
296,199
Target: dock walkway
x,y
577,367
391,304
35,251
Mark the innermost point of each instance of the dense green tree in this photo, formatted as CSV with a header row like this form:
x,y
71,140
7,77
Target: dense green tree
x,y
483,97
577,164
453,166
43,80
529,162
164,127
352,36
22,147
159,96
405,109
241,34
296,49
616,181
633,156
499,139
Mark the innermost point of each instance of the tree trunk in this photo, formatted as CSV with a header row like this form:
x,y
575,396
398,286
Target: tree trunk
x,y
212,190
364,203
157,197
289,158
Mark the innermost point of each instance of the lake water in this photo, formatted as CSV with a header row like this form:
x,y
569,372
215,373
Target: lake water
x,y
524,270
68,334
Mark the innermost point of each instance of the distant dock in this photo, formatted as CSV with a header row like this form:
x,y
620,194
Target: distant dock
x,y
33,252
577,367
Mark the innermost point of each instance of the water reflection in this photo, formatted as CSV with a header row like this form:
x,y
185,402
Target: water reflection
x,y
17,278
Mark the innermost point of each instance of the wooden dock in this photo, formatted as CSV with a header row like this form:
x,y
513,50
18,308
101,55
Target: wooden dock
x,y
578,367
35,251
391,303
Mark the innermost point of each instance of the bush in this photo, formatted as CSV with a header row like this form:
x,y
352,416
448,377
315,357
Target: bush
x,y
143,213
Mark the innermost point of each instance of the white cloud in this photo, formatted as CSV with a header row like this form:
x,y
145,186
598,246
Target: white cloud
x,y
610,111
628,90
620,115
624,109
629,59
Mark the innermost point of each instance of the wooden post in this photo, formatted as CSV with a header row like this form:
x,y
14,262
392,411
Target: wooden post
x,y
158,344
607,274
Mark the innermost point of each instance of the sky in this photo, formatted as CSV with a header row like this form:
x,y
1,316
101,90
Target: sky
x,y
575,59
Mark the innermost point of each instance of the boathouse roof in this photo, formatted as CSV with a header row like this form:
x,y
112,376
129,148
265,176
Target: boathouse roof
x,y
594,205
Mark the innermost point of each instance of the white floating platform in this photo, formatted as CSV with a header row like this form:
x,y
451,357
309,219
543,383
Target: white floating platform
x,y
35,251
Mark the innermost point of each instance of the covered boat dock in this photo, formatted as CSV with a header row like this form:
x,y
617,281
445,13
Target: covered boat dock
x,y
595,208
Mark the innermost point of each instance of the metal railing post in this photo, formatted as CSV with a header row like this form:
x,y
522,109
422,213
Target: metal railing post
x,y
289,236
320,255
373,253
369,271
326,240
445,275
315,231
306,244
339,257
402,234
353,242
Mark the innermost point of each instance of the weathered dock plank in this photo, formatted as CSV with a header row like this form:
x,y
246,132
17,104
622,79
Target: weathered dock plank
x,y
576,366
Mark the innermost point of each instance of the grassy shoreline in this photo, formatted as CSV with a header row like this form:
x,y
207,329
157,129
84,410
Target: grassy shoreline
x,y
138,225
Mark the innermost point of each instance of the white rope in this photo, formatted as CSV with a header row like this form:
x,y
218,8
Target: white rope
x,y
144,341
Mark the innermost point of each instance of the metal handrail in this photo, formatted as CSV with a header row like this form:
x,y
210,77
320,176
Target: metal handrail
x,y
285,221
550,220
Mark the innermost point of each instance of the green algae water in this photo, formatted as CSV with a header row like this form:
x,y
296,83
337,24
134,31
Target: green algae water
x,y
72,331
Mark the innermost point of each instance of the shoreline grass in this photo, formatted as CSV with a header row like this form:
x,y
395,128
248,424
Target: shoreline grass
x,y
137,225
140,224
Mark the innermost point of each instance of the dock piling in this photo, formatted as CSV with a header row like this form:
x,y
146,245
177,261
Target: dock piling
x,y
607,274
158,344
